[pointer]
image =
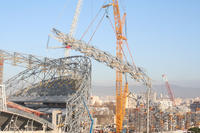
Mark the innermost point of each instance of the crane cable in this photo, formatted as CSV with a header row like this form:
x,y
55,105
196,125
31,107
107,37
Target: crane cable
x,y
128,45
97,27
122,5
61,13
91,23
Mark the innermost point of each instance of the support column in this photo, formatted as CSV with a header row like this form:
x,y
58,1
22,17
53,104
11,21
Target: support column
x,y
3,105
1,69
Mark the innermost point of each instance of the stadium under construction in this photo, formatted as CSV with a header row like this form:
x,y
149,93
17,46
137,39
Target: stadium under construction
x,y
54,95
32,95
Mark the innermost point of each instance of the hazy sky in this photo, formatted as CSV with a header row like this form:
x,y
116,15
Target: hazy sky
x,y
164,35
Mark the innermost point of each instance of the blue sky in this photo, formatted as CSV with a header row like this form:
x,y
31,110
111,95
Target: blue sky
x,y
164,36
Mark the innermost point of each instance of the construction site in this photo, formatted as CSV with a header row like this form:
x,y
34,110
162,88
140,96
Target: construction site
x,y
53,95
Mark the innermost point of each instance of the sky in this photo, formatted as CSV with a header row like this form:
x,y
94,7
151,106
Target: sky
x,y
163,35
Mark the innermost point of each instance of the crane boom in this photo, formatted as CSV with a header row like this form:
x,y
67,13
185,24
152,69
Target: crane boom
x,y
76,17
74,23
169,90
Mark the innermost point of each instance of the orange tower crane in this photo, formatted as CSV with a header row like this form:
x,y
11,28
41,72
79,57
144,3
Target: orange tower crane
x,y
121,94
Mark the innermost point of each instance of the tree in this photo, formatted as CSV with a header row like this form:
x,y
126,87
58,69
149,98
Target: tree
x,y
195,129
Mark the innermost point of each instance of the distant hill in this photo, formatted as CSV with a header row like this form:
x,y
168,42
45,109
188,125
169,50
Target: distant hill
x,y
179,91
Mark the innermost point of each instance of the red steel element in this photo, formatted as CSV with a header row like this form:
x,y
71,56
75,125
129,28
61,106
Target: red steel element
x,y
68,46
170,93
25,109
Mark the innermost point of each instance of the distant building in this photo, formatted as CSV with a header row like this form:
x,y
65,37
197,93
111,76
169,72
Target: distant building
x,y
154,97
95,100
178,101
165,104
103,115
195,106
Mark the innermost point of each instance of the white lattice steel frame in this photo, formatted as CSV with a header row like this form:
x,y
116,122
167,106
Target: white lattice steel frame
x,y
77,68
103,57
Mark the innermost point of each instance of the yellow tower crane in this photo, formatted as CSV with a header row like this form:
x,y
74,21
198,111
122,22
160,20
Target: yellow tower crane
x,y
121,94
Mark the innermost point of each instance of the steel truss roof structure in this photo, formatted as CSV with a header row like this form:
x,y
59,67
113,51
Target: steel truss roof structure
x,y
47,75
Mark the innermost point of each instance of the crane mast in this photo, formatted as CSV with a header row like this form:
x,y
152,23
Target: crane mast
x,y
74,24
120,93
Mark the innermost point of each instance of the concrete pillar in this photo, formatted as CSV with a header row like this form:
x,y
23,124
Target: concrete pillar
x,y
56,119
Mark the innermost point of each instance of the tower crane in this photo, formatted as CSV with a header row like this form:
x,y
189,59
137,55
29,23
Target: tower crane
x,y
121,94
169,90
